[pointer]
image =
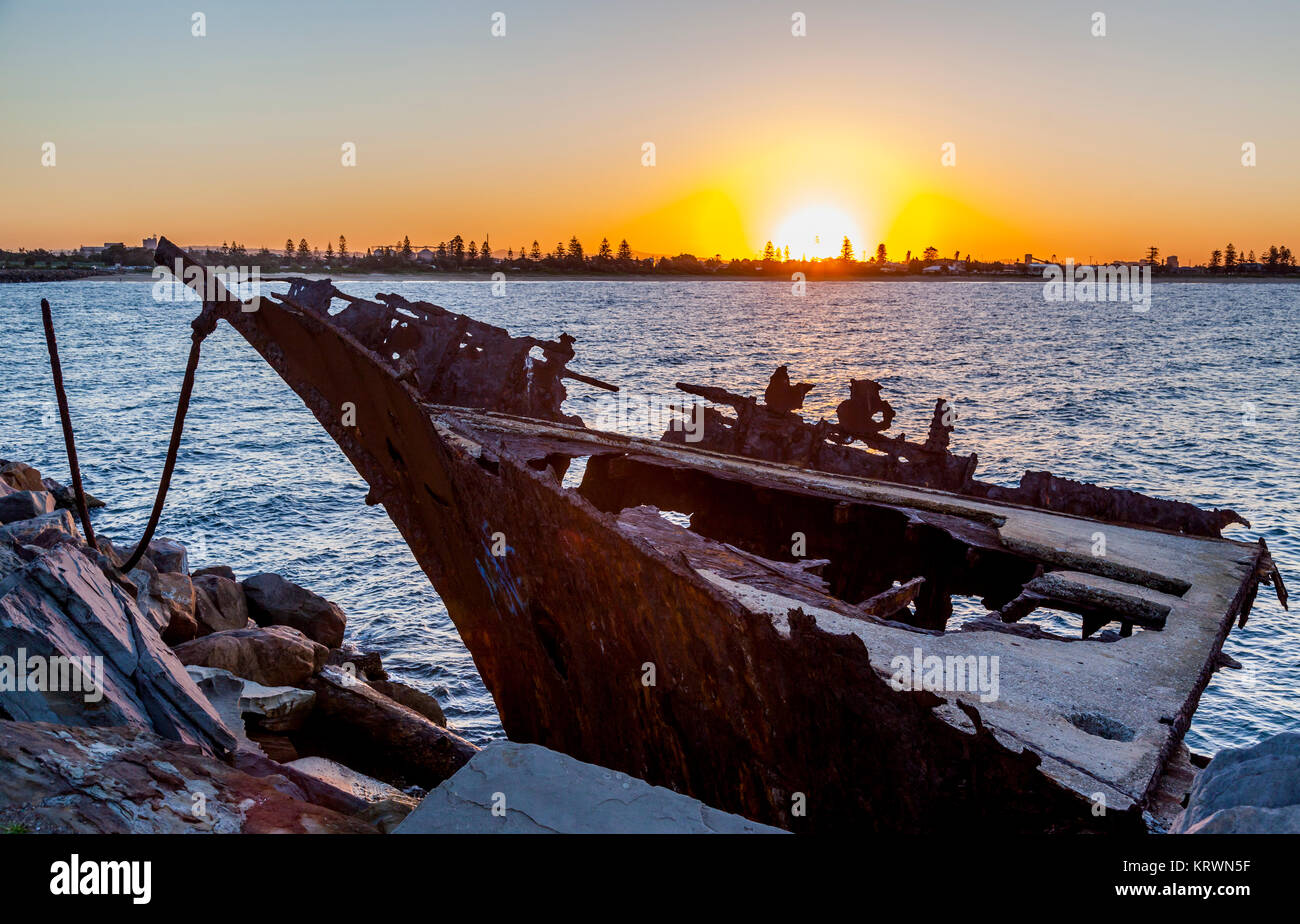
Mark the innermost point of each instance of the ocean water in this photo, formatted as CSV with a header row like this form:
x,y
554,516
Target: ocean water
x,y
1194,399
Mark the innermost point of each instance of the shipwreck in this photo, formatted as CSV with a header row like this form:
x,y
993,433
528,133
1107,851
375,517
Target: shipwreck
x,y
747,650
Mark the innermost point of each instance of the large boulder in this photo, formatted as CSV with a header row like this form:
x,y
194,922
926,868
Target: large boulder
x,y
219,603
1254,790
104,660
511,788
274,601
224,571
21,476
168,555
23,505
43,531
365,729
63,780
274,655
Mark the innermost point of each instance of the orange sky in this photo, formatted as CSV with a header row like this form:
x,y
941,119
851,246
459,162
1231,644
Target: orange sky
x,y
1066,143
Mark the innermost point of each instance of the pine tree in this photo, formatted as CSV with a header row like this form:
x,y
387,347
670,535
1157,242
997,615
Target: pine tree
x,y
304,252
536,252
769,253
288,249
624,251
575,251
343,248
605,254
329,251
406,247
472,253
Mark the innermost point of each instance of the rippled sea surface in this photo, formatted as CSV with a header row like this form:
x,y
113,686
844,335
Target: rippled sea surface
x,y
1195,400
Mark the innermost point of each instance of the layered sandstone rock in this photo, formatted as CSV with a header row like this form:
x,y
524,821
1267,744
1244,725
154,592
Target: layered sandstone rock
x,y
68,780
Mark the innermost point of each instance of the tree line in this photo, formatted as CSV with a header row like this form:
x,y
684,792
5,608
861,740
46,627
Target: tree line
x,y
457,253
1230,260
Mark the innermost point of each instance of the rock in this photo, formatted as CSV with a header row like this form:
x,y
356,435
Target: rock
x,y
10,562
411,698
66,497
61,609
545,791
366,665
220,603
169,600
274,656
279,748
109,551
168,555
43,531
129,781
380,737
176,592
21,476
223,690
24,505
274,709
274,601
224,571
1254,790
385,806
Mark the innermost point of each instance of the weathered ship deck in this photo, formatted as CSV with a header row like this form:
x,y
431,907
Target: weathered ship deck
x,y
717,661
1104,715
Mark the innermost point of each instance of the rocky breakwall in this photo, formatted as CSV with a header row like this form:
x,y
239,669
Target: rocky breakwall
x,y
165,700
1253,790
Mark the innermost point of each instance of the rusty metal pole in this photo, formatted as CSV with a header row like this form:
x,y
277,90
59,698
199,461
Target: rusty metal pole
x,y
65,417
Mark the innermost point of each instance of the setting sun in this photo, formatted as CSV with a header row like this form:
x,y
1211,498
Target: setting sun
x,y
817,231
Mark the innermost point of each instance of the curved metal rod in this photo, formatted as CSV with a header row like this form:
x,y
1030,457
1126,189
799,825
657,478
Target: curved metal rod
x,y
203,325
65,417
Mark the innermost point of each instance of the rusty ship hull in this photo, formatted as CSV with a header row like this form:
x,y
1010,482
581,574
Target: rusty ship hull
x,y
711,661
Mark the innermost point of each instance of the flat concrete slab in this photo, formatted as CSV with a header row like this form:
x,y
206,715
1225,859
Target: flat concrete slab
x,y
510,788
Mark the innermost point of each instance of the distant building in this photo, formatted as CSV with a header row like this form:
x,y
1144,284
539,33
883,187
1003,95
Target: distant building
x,y
90,250
425,256
150,243
1171,263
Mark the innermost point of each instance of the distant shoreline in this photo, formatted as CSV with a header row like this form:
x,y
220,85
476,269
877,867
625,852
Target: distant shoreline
x,y
144,274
